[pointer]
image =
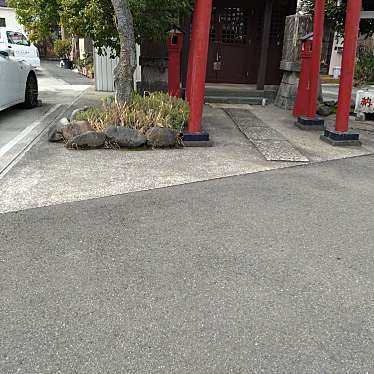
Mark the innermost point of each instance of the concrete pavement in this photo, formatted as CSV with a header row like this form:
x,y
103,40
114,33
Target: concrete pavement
x,y
263,273
58,90
49,174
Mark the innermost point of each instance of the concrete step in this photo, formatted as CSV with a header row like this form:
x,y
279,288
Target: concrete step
x,y
236,100
237,92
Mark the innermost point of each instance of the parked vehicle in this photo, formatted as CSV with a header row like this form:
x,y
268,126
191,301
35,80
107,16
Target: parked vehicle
x,y
19,47
18,83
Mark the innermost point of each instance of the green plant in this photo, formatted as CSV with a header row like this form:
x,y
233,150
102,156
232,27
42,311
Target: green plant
x,y
62,48
364,72
142,112
335,14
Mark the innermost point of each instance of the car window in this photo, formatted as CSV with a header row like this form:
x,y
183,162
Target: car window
x,y
17,38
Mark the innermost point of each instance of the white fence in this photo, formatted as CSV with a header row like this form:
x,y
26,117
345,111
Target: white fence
x,y
104,67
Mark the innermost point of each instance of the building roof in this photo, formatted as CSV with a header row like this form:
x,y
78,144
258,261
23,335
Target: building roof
x,y
2,3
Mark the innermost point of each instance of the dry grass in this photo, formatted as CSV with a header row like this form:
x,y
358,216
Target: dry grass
x,y
141,113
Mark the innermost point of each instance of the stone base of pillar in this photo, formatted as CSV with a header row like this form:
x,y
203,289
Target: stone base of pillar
x,y
310,124
196,139
342,139
287,91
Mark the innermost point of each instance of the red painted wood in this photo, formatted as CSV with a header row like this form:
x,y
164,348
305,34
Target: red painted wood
x,y
175,45
302,97
198,63
318,29
352,25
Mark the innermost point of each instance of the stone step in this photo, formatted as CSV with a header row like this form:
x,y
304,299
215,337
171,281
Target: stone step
x,y
240,92
236,100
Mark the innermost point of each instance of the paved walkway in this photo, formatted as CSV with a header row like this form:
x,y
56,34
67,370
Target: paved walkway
x,y
58,89
270,143
247,139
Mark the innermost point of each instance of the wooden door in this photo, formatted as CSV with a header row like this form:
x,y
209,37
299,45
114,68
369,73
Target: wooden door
x,y
233,53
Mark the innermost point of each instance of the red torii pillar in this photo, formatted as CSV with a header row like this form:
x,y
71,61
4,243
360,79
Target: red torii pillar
x,y
197,65
310,119
341,134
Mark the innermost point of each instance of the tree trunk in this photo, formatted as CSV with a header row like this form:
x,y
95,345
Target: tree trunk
x,y
124,72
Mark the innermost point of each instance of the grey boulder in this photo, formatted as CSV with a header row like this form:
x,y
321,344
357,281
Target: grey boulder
x,y
324,110
55,132
330,103
87,140
158,137
125,136
75,128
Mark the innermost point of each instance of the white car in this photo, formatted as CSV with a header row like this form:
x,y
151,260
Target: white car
x,y
18,83
19,47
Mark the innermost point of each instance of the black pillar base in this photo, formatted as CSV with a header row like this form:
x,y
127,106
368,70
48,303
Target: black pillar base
x,y
196,139
309,124
342,139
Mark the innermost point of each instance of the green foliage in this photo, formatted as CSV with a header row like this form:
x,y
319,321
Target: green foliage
x,y
336,15
364,73
86,61
40,17
96,19
62,48
143,112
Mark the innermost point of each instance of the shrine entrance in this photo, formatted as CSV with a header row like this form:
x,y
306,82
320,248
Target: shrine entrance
x,y
232,43
240,29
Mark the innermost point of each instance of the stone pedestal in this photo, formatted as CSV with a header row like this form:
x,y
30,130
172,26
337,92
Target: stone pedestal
x,y
287,90
296,27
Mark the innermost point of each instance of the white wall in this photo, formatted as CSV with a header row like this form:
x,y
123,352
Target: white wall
x,y
336,55
10,18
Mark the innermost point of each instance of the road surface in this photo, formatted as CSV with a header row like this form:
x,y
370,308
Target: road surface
x,y
265,273
58,89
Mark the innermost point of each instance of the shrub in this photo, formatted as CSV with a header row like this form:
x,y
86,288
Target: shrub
x,y
62,48
142,113
364,73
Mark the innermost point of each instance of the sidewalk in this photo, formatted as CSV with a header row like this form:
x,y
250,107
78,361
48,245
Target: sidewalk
x,y
246,140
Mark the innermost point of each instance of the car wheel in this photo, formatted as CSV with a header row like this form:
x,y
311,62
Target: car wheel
x,y
31,93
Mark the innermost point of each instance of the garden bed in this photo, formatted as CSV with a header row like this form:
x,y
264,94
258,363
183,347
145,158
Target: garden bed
x,y
151,121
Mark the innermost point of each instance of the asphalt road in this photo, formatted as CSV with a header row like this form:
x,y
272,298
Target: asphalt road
x,y
266,273
331,91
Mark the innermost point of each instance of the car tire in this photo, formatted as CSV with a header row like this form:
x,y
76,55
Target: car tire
x,y
31,92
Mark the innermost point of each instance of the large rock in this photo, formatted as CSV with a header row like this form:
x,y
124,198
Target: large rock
x,y
324,110
87,140
77,111
125,137
331,103
76,128
158,137
55,132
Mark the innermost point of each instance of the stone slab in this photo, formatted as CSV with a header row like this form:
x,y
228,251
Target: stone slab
x,y
279,150
245,118
262,133
249,122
